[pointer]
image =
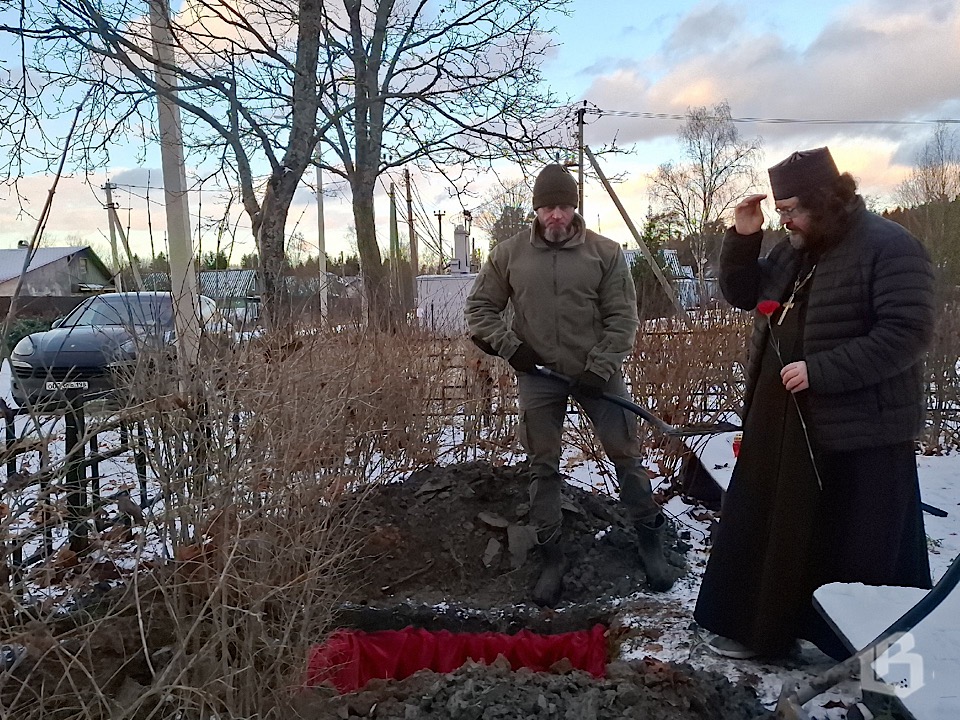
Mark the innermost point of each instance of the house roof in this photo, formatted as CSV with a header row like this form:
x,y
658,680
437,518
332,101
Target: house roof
x,y
217,284
11,260
228,283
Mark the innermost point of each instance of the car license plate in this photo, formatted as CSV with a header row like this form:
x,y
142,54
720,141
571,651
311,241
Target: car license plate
x,y
67,385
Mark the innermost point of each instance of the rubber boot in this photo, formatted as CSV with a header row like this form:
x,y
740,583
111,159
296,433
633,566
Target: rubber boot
x,y
546,593
659,575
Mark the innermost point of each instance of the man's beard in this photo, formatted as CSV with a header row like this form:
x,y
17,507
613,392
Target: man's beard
x,y
557,234
816,238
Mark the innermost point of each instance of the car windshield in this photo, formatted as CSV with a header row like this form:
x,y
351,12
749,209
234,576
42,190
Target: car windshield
x,y
126,310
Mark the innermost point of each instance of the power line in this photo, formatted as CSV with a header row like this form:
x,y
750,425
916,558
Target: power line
x,y
422,215
222,191
599,112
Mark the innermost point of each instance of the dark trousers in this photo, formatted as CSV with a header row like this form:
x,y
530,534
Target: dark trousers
x,y
543,406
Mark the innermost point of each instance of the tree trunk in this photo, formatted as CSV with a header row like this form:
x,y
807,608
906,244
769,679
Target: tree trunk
x,y
269,230
376,283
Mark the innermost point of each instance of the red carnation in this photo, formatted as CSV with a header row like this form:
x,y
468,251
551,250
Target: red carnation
x,y
768,307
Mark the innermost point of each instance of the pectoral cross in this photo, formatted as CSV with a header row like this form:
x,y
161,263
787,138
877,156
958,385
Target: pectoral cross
x,y
796,288
785,308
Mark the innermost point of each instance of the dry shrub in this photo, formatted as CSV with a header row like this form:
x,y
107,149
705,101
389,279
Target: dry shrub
x,y
482,399
687,374
246,551
942,432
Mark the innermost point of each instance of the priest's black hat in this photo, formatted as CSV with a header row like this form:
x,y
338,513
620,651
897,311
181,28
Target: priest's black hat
x,y
802,171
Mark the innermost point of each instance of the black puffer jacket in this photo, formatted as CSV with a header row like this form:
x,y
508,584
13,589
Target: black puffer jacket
x,y
869,321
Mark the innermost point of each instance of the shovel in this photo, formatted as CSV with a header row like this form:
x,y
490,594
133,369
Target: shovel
x,y
671,430
692,430
792,699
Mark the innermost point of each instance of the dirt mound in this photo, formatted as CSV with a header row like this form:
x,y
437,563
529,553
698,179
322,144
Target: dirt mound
x,y
646,689
444,550
458,535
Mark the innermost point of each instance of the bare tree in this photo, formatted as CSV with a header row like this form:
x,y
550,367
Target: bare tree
x,y
719,168
931,196
931,211
448,87
504,212
377,85
936,174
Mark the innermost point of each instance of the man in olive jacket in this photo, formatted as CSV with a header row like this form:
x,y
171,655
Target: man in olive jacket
x,y
575,312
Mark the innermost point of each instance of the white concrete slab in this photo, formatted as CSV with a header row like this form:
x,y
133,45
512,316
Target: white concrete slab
x,y
924,667
716,456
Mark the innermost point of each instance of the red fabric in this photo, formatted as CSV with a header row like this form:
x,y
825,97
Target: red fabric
x,y
349,658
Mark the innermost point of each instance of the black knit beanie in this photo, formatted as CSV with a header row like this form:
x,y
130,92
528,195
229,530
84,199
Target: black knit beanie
x,y
803,171
555,186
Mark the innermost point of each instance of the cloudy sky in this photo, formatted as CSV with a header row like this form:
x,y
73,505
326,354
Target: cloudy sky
x,y
875,73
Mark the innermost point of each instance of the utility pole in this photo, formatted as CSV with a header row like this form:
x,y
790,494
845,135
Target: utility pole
x,y
116,225
137,280
183,273
396,290
153,251
321,243
440,214
108,188
580,113
414,254
468,224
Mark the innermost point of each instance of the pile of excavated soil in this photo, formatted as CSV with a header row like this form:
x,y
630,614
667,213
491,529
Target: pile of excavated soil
x,y
645,689
458,535
449,548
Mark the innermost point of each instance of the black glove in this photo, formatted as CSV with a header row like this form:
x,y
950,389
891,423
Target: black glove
x,y
589,384
483,345
525,359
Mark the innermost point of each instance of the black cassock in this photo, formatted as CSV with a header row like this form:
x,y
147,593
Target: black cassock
x,y
780,536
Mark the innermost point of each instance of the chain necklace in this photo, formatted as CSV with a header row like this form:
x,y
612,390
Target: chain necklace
x,y
797,284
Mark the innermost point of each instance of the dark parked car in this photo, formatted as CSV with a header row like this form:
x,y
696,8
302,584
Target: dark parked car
x,y
87,351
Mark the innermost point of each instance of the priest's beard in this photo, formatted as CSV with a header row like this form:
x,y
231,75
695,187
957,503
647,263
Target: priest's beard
x,y
817,237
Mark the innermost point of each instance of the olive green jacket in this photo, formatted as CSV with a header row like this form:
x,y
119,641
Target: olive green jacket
x,y
575,305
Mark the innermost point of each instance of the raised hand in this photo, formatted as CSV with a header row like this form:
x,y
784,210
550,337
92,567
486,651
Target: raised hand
x,y
748,216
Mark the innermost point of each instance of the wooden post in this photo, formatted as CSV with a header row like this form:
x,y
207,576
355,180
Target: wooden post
x,y
667,287
75,481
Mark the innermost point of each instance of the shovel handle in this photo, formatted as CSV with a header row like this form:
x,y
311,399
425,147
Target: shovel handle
x,y
644,413
610,397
